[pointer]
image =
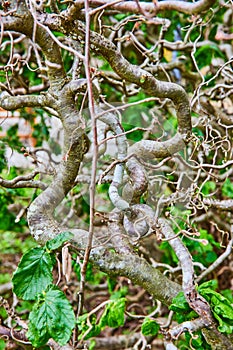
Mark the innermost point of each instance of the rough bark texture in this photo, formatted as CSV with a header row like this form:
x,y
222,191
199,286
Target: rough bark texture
x,y
117,257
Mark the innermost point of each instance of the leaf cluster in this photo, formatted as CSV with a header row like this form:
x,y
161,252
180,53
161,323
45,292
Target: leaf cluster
x,y
52,315
113,316
221,307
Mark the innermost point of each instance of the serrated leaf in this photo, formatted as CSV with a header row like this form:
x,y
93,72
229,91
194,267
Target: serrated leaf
x,y
38,338
149,327
113,315
59,240
34,273
51,317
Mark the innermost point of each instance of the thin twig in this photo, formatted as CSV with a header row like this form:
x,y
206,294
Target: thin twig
x,y
94,160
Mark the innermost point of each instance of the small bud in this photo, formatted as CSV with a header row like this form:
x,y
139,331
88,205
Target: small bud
x,y
204,241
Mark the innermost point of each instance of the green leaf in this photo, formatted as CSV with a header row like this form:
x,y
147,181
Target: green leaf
x,y
205,54
179,303
111,284
51,317
92,344
120,293
212,284
198,342
227,188
2,344
203,253
221,306
227,293
208,187
34,273
223,312
59,240
149,327
113,315
88,326
182,309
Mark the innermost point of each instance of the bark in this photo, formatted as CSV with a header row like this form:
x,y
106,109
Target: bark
x,y
60,96
152,8
117,257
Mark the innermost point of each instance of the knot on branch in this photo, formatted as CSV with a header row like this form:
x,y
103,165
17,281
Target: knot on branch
x,y
138,221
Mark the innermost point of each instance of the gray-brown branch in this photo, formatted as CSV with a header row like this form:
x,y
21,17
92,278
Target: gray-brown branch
x,y
152,8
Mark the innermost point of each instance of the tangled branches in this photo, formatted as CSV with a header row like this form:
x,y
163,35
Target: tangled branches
x,y
143,95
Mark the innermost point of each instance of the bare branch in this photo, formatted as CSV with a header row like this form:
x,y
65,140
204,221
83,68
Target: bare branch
x,y
12,103
131,266
153,8
195,300
24,181
218,261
